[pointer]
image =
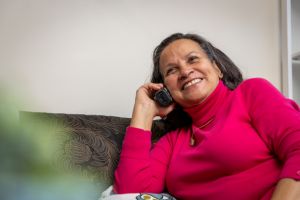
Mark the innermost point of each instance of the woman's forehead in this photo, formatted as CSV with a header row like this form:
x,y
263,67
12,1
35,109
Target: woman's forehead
x,y
181,47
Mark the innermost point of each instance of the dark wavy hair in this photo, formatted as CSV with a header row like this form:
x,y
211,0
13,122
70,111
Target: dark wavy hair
x,y
232,76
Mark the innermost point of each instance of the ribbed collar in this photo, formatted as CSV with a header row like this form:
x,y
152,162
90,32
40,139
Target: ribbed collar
x,y
206,111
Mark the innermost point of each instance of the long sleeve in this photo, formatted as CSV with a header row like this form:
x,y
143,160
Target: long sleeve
x,y
142,168
277,121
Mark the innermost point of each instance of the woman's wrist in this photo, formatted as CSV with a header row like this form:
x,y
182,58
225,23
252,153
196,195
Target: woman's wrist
x,y
142,117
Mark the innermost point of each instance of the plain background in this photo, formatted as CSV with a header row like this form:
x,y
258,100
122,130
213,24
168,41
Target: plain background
x,y
295,43
90,56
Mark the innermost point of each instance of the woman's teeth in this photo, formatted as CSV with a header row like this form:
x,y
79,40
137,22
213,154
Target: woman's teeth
x,y
197,80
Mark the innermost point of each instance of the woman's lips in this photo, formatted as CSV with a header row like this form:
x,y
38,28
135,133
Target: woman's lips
x,y
192,82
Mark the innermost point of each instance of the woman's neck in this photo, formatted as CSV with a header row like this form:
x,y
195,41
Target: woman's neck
x,y
205,112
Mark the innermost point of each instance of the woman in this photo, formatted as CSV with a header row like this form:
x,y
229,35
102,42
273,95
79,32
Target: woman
x,y
239,140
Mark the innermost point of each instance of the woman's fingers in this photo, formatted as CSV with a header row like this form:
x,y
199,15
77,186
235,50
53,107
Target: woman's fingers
x,y
152,87
144,100
148,90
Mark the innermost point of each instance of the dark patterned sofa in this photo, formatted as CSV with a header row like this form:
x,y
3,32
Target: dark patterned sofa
x,y
90,143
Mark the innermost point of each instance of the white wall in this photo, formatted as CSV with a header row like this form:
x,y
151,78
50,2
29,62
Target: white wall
x,y
295,21
89,56
295,17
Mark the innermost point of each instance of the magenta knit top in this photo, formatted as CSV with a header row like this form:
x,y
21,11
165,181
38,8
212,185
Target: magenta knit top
x,y
246,140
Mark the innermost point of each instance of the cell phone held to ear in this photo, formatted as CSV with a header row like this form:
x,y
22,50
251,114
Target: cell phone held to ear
x,y
163,97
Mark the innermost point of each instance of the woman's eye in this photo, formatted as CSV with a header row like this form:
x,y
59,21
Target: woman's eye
x,y
192,59
170,71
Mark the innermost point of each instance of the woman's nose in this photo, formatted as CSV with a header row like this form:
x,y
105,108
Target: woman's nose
x,y
185,71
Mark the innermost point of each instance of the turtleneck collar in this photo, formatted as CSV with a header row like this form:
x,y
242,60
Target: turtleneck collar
x,y
205,112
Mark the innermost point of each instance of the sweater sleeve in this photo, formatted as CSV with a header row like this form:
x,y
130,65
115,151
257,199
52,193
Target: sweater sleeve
x,y
142,168
277,121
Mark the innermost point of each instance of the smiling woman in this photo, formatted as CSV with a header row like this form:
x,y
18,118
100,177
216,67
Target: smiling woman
x,y
228,133
228,71
188,73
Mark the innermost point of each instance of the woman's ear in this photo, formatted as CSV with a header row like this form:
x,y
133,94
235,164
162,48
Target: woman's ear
x,y
220,74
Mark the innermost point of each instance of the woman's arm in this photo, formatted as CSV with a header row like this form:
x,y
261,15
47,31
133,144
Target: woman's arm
x,y
287,189
277,121
142,168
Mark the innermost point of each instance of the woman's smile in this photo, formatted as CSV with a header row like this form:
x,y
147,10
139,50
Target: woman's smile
x,y
192,82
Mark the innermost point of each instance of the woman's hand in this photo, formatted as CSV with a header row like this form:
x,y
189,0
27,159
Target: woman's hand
x,y
287,189
145,108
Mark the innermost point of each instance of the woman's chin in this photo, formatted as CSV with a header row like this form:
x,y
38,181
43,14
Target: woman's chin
x,y
191,102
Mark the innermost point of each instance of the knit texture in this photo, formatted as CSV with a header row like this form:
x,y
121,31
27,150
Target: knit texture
x,y
246,140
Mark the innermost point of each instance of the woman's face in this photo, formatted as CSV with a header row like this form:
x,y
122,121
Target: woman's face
x,y
188,73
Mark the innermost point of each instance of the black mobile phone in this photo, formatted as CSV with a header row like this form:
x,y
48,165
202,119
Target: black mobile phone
x,y
163,97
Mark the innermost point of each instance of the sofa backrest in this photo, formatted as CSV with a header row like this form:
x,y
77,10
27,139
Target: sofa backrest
x,y
90,143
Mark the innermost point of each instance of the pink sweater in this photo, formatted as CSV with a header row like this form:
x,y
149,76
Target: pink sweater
x,y
252,140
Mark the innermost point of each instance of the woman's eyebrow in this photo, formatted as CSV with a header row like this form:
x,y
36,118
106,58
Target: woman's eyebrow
x,y
191,53
170,65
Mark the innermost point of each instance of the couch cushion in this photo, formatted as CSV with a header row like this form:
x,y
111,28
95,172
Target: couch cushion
x,y
90,143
